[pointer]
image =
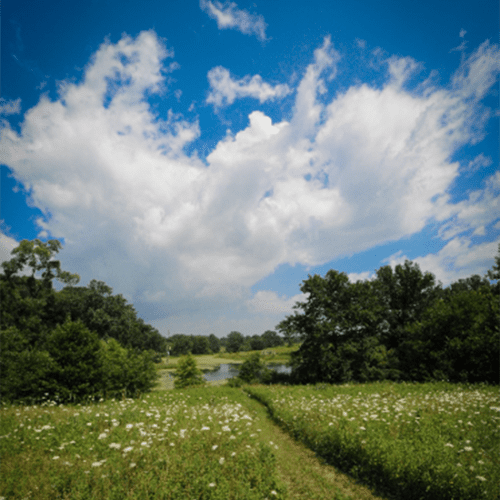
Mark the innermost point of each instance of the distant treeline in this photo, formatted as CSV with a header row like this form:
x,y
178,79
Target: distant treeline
x,y
180,344
73,343
400,325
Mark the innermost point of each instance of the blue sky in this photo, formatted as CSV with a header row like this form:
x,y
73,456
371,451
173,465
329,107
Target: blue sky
x,y
202,158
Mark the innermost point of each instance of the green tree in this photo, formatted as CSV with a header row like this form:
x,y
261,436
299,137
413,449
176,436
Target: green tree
x,y
187,374
200,345
214,343
334,324
24,371
458,339
235,341
77,370
271,339
180,344
404,294
252,369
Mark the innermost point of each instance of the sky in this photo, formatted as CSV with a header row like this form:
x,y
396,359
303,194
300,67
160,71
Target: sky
x,y
203,158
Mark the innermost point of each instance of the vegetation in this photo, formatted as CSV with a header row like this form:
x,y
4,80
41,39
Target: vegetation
x,y
187,374
170,445
413,441
72,344
400,325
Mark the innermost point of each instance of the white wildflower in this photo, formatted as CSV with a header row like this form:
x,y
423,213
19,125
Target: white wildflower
x,y
221,460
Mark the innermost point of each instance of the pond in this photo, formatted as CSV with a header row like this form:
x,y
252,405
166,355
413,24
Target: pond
x,y
230,370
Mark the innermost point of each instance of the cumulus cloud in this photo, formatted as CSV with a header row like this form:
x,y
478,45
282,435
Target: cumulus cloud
x,y
225,90
459,258
9,107
186,237
269,302
228,16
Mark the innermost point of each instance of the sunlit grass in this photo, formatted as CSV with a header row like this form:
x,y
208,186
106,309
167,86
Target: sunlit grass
x,y
415,440
192,443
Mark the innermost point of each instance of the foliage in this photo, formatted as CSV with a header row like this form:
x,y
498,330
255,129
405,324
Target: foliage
x,y
50,339
187,374
214,344
235,341
251,369
77,368
411,441
400,325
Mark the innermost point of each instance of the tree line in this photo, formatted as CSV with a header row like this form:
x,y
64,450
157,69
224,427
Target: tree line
x,y
401,325
69,344
181,344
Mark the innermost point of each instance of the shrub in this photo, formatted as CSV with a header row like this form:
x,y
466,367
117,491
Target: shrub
x,y
187,374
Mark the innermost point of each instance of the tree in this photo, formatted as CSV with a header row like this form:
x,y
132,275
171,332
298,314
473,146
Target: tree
x,y
235,341
256,343
338,321
271,339
251,369
458,339
77,369
180,344
214,343
200,345
187,374
404,295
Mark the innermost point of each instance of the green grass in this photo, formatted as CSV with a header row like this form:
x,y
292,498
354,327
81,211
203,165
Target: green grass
x,y
173,445
431,441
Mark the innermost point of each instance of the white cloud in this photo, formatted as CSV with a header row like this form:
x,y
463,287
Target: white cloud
x,y
354,277
187,238
459,258
9,107
228,16
269,302
225,90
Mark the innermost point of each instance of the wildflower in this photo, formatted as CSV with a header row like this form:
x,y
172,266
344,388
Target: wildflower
x,y
449,445
214,447
481,478
221,460
55,458
115,446
132,465
273,492
127,449
226,429
468,448
102,436
96,464
212,485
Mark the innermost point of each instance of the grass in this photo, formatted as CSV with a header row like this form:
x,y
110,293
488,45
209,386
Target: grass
x,y
425,441
173,445
413,441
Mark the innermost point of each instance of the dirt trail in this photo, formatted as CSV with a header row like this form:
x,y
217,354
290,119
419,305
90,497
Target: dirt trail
x,y
305,475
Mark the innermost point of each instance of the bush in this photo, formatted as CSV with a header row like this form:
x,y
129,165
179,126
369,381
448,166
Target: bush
x,y
187,374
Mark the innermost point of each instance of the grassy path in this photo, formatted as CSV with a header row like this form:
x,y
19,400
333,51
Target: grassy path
x,y
305,476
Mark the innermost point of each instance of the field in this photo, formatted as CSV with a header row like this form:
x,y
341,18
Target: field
x,y
171,445
406,441
412,441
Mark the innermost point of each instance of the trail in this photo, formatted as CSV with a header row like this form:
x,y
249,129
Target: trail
x,y
304,474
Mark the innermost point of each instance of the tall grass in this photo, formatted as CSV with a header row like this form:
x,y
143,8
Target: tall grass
x,y
194,443
415,441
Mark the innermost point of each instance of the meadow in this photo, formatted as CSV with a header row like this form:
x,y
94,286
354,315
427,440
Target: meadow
x,y
405,441
195,444
411,441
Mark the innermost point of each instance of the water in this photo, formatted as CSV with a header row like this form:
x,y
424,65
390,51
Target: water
x,y
230,370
